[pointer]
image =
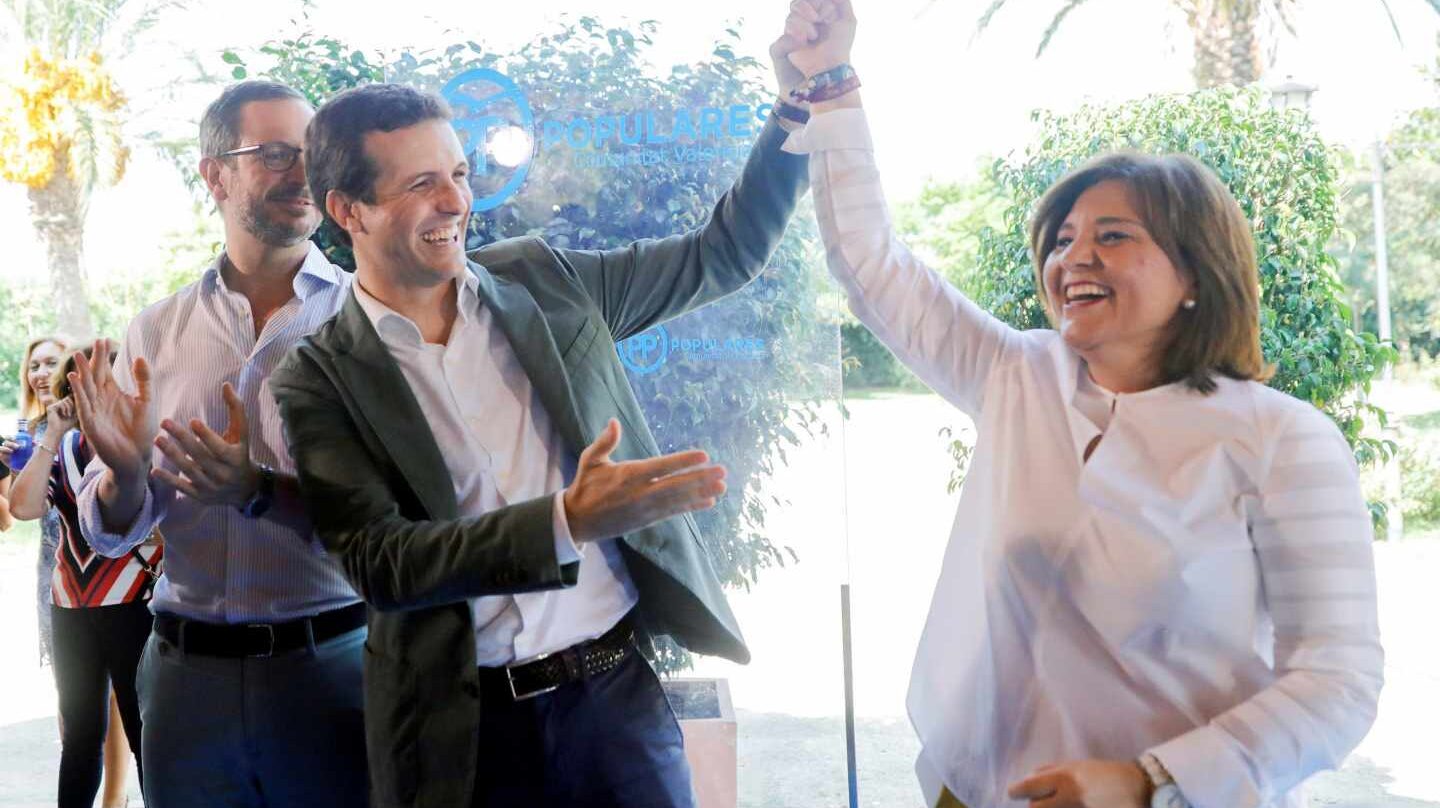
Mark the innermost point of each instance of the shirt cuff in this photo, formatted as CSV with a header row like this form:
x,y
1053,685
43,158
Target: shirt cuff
x,y
1209,770
116,544
566,552
837,129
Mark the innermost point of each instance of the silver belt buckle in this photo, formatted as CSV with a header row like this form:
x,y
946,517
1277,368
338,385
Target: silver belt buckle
x,y
270,631
510,679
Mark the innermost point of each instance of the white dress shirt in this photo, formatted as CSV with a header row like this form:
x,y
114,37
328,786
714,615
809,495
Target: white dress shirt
x,y
219,565
1202,588
500,447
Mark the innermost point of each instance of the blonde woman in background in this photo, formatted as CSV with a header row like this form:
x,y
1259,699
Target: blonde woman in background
x,y
41,361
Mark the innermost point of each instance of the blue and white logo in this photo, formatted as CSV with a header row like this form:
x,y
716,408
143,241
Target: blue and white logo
x,y
496,127
645,352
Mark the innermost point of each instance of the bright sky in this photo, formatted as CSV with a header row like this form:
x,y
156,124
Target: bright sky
x,y
940,98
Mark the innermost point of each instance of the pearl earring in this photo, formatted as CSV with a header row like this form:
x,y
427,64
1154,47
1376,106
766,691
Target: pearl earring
x,y
1188,304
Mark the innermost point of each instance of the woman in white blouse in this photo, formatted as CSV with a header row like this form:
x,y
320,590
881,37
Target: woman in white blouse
x,y
1159,588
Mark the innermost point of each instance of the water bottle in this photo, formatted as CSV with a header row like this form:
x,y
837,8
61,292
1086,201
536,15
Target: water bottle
x,y
24,446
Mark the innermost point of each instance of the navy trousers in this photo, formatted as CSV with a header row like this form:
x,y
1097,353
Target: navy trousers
x,y
279,732
610,741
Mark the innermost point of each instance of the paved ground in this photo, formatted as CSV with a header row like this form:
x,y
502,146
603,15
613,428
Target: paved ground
x,y
885,539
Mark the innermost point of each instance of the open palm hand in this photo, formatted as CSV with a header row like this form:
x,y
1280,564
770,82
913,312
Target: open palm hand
x,y
120,427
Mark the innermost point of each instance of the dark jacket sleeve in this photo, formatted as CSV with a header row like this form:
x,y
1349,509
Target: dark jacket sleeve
x,y
394,562
653,280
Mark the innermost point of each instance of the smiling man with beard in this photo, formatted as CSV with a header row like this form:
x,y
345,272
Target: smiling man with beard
x,y
250,685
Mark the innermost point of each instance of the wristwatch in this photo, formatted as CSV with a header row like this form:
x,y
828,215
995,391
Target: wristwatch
x,y
1164,793
264,494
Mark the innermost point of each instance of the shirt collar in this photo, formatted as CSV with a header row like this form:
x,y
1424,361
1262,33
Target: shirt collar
x,y
398,330
316,273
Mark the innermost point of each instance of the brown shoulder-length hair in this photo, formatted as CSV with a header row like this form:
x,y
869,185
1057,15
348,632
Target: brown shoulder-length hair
x,y
1193,217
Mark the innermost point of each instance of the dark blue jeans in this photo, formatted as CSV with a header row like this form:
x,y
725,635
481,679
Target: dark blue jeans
x,y
610,741
95,648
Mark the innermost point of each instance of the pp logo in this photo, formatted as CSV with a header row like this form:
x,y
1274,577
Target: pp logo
x,y
645,352
495,124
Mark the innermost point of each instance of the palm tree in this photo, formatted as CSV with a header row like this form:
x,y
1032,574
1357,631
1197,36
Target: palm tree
x,y
61,119
1228,34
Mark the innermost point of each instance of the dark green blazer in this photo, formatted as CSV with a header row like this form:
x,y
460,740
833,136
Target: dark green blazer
x,y
383,502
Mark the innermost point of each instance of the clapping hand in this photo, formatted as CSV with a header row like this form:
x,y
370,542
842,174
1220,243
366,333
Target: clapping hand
x,y
608,499
118,426
214,469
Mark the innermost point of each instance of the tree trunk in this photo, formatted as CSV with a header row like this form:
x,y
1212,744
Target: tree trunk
x,y
57,212
1227,42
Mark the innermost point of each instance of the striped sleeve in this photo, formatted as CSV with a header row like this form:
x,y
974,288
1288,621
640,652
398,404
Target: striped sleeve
x,y
948,341
1312,536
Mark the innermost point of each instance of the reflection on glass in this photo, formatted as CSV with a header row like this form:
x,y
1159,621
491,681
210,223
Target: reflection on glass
x,y
576,139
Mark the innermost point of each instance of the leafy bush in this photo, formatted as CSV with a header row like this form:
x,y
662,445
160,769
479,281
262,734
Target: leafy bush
x,y
27,314
943,226
1412,203
113,302
868,363
1285,180
1420,485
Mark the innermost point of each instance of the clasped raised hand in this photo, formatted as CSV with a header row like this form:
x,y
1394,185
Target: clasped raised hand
x,y
818,36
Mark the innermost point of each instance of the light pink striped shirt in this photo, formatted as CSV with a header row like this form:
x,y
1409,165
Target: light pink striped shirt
x,y
219,565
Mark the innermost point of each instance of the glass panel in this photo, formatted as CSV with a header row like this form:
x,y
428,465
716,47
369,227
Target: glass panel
x,y
593,159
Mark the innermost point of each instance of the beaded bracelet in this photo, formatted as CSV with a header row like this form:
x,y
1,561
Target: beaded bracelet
x,y
825,86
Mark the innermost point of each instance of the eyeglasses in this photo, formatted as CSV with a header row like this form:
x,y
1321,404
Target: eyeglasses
x,y
275,156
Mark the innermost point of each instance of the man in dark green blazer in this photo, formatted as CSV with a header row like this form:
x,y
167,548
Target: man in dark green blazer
x,y
475,461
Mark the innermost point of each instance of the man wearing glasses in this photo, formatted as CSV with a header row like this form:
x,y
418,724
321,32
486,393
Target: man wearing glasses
x,y
250,685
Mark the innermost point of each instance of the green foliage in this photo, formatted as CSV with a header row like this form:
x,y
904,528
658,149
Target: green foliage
x,y
943,223
747,414
943,226
28,314
961,453
1412,202
1284,178
1411,155
113,303
187,253
868,364
1420,485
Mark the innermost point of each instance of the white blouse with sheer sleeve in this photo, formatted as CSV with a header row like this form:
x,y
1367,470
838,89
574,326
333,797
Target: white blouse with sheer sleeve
x,y
1202,588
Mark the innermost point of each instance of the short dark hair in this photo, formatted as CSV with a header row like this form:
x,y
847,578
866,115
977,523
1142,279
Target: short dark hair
x,y
220,125
335,158
1195,219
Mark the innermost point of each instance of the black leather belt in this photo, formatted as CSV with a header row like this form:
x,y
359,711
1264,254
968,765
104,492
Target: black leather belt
x,y
257,639
549,672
